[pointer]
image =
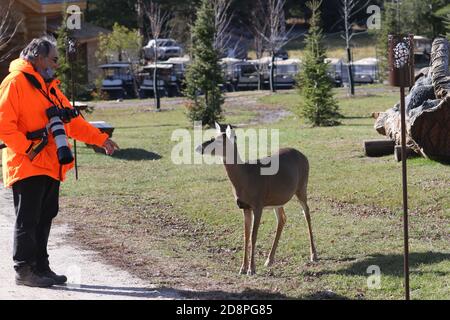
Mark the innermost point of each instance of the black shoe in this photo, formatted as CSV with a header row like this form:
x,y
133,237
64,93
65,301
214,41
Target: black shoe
x,y
48,273
26,276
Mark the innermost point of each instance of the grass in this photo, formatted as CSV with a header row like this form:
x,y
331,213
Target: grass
x,y
178,225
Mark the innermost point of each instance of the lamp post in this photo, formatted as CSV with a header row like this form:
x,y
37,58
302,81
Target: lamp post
x,y
71,51
401,67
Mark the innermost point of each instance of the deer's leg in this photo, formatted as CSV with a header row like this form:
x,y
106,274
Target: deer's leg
x,y
308,221
247,229
281,218
256,220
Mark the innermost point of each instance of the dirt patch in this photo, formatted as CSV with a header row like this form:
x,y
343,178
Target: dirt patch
x,y
163,247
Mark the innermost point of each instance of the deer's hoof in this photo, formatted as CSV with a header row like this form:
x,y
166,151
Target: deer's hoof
x,y
314,257
251,272
243,270
268,263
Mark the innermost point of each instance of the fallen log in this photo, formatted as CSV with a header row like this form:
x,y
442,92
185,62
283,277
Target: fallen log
x,y
427,109
378,148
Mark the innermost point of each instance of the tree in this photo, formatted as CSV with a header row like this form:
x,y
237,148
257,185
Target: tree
x,y
277,36
71,73
222,20
8,28
318,103
389,24
258,28
122,44
158,21
347,12
106,13
204,75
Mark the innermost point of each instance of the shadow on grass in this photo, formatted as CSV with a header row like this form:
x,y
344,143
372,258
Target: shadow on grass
x,y
392,264
171,293
134,154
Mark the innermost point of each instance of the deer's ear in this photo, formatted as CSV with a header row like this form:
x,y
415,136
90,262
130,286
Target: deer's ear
x,y
219,130
230,133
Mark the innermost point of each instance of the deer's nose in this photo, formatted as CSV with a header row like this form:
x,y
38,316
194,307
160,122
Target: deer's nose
x,y
199,149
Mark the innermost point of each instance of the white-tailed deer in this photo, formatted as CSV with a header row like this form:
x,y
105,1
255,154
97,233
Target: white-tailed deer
x,y
254,191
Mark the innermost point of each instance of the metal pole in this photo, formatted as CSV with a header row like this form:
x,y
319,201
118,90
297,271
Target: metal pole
x,y
71,52
405,192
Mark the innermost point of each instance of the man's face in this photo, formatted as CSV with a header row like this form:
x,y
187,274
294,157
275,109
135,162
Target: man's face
x,y
46,66
50,62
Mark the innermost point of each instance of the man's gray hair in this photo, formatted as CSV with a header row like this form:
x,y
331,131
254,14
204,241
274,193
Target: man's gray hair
x,y
38,47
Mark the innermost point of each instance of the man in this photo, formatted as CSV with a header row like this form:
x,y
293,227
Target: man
x,y
30,166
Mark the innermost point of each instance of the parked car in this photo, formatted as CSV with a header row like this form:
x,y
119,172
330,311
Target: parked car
x,y
247,75
335,70
118,80
282,54
167,48
167,84
230,69
365,71
285,73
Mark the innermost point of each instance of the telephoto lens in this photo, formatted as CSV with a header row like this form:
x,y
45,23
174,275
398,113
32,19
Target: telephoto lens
x,y
56,126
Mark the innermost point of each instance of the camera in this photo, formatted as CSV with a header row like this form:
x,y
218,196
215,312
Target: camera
x,y
57,117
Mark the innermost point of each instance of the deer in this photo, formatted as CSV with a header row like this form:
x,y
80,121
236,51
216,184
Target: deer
x,y
255,192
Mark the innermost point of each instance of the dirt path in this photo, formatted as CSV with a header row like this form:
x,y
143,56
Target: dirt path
x,y
89,279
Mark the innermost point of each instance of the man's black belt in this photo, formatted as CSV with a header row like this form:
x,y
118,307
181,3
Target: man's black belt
x,y
41,134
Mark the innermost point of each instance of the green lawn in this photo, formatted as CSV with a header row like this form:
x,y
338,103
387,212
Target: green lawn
x,y
178,225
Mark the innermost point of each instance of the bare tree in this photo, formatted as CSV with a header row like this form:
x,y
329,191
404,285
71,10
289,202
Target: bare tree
x,y
222,20
140,17
259,28
347,10
158,22
8,28
277,36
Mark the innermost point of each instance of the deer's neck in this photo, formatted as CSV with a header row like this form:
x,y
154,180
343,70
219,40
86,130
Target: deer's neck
x,y
235,168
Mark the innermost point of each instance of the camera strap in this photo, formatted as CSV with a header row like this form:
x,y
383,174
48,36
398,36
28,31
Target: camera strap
x,y
37,85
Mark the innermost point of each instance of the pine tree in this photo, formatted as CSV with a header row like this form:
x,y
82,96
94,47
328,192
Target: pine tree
x,y
318,104
64,71
204,76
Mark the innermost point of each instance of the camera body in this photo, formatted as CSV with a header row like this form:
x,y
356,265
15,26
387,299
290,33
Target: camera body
x,y
57,117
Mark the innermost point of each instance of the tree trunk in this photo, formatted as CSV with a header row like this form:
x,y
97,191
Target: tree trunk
x,y
155,79
379,148
350,72
272,74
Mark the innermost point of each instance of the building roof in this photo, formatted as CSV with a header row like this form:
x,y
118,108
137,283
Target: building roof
x,y
58,1
51,6
87,32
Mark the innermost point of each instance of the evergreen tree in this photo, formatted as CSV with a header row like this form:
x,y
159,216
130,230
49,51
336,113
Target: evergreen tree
x,y
64,71
204,75
318,104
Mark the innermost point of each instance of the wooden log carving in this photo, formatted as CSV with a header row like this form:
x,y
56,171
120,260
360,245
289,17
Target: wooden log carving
x,y
427,107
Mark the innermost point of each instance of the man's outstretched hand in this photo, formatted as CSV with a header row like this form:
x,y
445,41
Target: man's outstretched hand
x,y
110,146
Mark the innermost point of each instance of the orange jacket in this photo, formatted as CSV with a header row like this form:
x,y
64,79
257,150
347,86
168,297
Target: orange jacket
x,y
23,110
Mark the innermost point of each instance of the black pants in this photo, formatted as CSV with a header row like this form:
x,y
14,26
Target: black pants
x,y
36,203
